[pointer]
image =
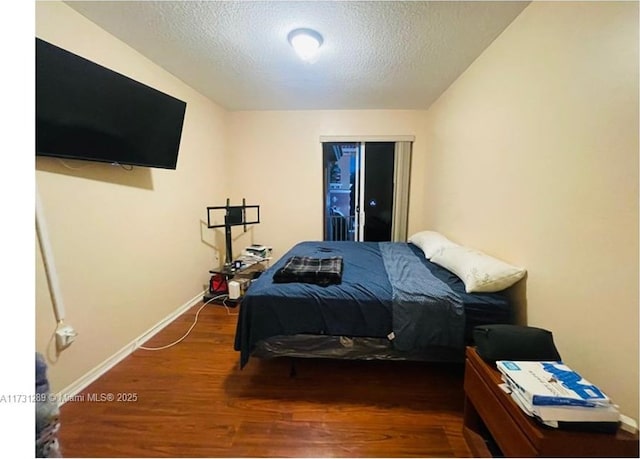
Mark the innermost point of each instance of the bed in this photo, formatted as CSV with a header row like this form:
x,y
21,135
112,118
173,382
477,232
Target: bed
x,y
391,303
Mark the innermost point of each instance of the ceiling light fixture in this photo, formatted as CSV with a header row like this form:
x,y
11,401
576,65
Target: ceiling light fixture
x,y
306,43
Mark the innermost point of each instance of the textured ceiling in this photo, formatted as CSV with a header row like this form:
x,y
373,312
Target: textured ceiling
x,y
376,54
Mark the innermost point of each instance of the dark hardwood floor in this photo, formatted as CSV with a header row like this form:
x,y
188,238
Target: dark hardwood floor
x,y
192,400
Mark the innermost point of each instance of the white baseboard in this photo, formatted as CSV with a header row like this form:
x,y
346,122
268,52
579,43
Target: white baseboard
x,y
77,386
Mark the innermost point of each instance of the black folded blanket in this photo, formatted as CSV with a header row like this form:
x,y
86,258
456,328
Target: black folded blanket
x,y
321,271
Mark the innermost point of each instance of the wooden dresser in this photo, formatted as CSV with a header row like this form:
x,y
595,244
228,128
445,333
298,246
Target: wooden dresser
x,y
493,420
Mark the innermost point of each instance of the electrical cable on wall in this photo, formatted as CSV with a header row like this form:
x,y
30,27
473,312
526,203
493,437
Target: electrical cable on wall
x,y
47,260
63,162
64,334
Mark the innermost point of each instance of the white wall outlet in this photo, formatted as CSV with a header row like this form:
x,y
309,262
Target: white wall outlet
x,y
65,336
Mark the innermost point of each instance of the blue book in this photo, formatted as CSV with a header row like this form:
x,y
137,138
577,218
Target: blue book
x,y
551,383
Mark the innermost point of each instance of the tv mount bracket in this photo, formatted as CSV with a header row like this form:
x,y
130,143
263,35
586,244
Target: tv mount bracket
x,y
234,216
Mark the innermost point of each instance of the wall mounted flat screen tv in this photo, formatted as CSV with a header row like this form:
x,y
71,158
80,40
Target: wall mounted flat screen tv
x,y
89,112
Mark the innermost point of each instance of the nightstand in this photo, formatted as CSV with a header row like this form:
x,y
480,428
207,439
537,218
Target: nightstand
x,y
492,418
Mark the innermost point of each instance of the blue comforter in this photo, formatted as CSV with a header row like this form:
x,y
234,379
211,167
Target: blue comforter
x,y
386,291
425,311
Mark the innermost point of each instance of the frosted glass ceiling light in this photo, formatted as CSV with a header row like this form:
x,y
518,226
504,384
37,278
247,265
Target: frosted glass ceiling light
x,y
306,43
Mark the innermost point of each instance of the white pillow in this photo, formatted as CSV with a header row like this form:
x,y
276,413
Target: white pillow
x,y
431,242
479,271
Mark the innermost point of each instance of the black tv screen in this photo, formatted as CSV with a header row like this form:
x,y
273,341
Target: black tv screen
x,y
87,111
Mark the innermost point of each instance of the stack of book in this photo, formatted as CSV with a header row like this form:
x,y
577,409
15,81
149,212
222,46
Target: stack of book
x,y
558,396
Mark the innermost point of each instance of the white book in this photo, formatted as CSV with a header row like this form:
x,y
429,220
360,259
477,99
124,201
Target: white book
x,y
551,383
552,414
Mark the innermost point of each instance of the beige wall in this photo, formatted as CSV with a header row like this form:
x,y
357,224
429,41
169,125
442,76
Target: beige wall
x,y
129,247
277,163
533,158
